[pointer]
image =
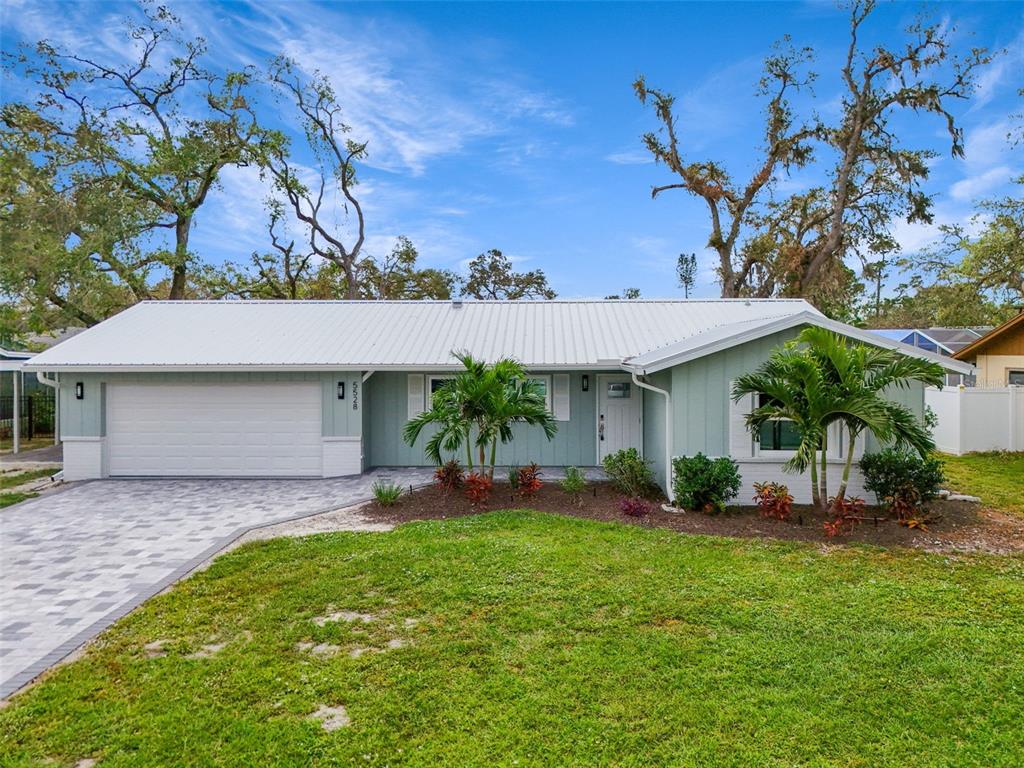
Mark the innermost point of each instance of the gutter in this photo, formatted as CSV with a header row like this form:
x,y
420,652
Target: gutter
x,y
668,426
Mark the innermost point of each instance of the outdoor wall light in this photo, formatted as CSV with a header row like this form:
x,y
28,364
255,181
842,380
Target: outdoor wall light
x,y
586,383
79,391
341,390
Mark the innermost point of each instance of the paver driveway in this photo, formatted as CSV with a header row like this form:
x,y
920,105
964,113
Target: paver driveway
x,y
75,561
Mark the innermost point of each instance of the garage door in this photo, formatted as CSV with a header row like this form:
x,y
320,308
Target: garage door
x,y
214,430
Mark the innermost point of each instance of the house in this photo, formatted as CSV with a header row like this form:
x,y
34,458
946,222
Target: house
x,y
298,389
942,341
998,355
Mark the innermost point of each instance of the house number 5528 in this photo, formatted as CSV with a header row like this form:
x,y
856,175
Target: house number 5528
x,y
355,395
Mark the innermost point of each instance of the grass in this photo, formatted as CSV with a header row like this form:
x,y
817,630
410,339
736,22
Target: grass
x,y
997,478
25,444
12,498
544,640
16,478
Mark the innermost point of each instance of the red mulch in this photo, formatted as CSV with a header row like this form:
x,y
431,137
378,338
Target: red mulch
x,y
959,526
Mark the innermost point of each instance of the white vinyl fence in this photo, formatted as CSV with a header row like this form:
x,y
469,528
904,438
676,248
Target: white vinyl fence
x,y
977,419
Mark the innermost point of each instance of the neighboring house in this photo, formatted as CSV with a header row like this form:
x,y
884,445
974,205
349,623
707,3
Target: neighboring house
x,y
942,341
11,361
998,355
272,389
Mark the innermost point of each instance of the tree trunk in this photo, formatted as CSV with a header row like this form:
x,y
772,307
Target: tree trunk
x,y
823,476
182,227
494,456
815,494
469,453
841,493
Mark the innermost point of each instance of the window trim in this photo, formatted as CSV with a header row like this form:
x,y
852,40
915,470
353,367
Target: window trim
x,y
1011,371
545,377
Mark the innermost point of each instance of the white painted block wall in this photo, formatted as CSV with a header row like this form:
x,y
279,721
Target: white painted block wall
x,y
977,418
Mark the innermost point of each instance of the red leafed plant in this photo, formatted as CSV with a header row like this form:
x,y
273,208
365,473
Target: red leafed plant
x,y
634,506
528,481
449,476
848,514
774,500
478,489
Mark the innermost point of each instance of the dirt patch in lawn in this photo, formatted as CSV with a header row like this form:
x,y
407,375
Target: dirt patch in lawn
x,y
960,527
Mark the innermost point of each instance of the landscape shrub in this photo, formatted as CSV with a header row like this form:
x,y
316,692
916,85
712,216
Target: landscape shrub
x,y
848,514
478,488
387,494
629,472
528,481
574,484
902,481
774,500
634,506
449,476
704,484
513,478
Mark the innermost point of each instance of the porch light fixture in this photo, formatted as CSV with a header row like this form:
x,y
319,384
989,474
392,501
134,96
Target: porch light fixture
x,y
79,391
586,383
341,390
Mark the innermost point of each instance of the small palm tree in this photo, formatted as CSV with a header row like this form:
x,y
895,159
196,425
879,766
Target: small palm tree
x,y
485,400
859,377
821,379
790,387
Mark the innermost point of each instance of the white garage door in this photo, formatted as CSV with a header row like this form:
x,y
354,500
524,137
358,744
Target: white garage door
x,y
216,430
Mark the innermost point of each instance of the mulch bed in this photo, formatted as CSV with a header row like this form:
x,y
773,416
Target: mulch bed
x,y
962,527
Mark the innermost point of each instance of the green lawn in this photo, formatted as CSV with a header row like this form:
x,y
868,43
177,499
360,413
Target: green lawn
x,y
544,640
998,478
14,479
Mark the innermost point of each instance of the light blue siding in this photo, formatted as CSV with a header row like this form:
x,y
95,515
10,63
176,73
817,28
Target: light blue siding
x,y
575,443
654,425
700,394
701,391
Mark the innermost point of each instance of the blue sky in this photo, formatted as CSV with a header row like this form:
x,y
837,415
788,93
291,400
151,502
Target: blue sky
x,y
514,126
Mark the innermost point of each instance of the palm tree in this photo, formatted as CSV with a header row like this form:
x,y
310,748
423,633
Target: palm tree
x,y
820,379
859,376
487,400
790,386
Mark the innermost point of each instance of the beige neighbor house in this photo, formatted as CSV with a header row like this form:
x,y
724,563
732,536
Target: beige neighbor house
x,y
999,355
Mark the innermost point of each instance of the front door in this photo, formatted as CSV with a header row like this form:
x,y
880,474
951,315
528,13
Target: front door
x,y
619,415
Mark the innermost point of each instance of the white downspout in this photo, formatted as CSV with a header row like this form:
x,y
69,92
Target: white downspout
x,y
668,427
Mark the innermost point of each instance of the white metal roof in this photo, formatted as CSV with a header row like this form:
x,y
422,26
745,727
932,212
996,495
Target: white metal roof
x,y
381,335
717,339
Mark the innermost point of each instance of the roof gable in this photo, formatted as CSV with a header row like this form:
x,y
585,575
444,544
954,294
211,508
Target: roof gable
x,y
1007,339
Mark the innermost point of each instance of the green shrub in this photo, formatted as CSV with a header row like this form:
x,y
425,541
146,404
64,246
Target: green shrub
x,y
901,480
629,472
574,483
704,484
387,494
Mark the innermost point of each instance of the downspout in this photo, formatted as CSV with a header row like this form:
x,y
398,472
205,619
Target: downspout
x,y
668,427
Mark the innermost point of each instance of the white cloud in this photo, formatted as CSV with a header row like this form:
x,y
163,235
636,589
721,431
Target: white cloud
x,y
974,187
630,157
1005,70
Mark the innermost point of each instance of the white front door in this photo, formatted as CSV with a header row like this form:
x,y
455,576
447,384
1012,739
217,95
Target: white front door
x,y
619,415
225,430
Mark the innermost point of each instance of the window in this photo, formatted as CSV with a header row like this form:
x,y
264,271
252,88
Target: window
x,y
619,389
779,434
544,382
436,382
1015,377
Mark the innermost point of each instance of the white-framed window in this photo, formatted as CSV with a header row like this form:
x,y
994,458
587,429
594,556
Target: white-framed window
x,y
435,381
776,437
544,381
